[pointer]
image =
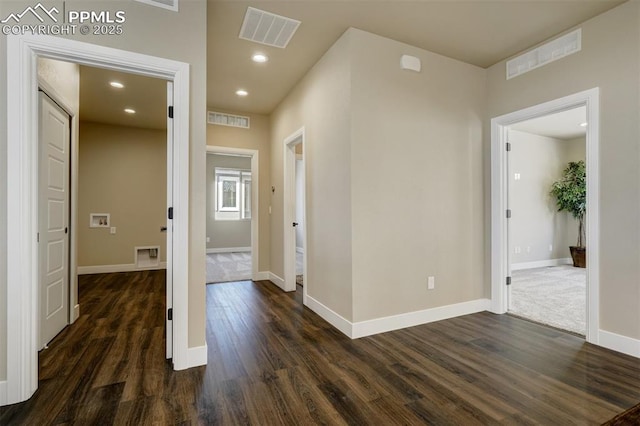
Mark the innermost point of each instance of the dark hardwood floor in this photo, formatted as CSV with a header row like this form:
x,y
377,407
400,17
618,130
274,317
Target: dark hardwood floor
x,y
273,362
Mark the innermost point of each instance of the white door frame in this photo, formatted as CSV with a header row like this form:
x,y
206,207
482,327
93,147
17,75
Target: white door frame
x,y
289,193
499,236
255,192
22,189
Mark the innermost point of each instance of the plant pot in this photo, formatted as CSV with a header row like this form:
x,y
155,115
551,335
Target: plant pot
x,y
579,256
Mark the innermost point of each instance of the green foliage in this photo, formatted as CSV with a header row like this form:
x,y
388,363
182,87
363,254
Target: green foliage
x,y
571,194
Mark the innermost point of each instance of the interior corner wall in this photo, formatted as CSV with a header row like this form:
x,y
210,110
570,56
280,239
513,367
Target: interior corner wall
x,y
257,137
537,230
225,234
145,31
416,179
321,103
122,171
610,60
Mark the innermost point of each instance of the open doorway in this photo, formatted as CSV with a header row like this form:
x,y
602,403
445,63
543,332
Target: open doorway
x,y
502,253
295,235
547,285
23,286
232,214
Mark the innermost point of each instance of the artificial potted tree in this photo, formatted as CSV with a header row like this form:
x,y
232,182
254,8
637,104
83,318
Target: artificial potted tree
x,y
571,196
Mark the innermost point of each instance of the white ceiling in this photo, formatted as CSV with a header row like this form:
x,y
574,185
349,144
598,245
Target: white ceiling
x,y
101,103
562,125
480,32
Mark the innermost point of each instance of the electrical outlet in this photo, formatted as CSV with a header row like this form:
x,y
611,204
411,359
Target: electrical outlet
x,y
517,250
550,247
516,176
112,230
431,283
208,239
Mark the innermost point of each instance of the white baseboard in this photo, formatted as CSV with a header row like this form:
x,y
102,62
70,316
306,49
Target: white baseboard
x,y
300,250
3,393
410,319
108,269
276,280
541,264
228,250
333,318
197,356
76,313
262,276
619,343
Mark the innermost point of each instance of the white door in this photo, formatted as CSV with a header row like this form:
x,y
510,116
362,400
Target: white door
x,y
169,227
53,198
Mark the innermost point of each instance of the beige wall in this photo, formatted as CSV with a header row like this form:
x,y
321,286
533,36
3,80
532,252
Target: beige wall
x,y
123,172
321,103
225,233
609,60
145,32
536,223
256,138
416,179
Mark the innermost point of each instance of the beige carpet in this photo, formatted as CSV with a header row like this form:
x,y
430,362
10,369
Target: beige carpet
x,y
225,267
555,296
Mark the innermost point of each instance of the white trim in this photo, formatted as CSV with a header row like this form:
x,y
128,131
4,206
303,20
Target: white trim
x,y
229,250
22,260
197,356
333,318
173,7
262,276
289,201
276,280
3,393
500,267
110,269
300,250
255,198
76,313
541,264
425,316
619,343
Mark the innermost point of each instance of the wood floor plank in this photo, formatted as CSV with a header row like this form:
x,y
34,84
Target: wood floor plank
x,y
272,361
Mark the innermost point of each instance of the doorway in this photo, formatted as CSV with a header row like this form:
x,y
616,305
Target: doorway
x,y
23,285
547,286
501,255
232,214
295,220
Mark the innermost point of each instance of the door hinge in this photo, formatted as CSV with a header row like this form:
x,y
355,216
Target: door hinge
x,y
170,213
38,237
170,314
508,146
508,280
508,213
170,112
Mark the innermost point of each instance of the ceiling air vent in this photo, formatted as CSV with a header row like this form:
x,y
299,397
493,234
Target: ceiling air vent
x,y
222,119
267,28
542,55
165,4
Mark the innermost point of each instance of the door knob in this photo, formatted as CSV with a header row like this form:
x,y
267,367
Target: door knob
x,y
163,229
295,224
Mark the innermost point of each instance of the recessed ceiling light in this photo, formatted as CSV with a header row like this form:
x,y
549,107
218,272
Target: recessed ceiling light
x,y
116,84
241,92
583,124
130,111
260,58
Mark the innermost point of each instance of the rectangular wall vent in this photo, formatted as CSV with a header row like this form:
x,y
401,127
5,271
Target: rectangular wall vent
x,y
165,4
228,120
267,28
542,55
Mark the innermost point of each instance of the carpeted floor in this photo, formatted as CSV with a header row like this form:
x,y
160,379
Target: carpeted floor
x,y
555,296
225,267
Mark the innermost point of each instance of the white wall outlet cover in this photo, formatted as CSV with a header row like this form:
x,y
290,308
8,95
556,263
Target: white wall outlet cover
x,y
112,230
411,63
208,239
